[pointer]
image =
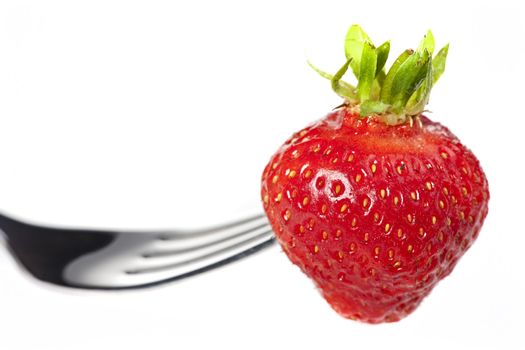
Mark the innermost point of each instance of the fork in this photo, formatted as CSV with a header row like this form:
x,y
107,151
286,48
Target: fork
x,y
97,259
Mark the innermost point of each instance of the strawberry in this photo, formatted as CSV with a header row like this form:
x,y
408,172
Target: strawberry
x,y
376,202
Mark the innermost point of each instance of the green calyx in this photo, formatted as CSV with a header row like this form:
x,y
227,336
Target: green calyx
x,y
397,95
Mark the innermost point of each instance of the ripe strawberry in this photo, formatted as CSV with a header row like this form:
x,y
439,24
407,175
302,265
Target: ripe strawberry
x,y
375,202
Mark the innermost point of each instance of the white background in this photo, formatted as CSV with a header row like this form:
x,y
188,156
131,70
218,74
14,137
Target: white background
x,y
162,114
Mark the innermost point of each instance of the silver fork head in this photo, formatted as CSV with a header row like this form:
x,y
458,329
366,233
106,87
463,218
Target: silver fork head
x,y
135,259
132,259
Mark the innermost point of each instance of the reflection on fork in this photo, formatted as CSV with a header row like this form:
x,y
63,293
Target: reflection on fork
x,y
96,259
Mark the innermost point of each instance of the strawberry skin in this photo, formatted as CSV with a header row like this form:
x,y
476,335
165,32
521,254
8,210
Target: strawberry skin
x,y
375,214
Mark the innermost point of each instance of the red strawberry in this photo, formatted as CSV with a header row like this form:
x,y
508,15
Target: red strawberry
x,y
375,202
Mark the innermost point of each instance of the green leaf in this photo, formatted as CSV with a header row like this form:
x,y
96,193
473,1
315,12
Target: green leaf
x,y
387,83
340,87
372,107
354,42
367,72
320,72
438,63
380,78
409,77
419,99
427,43
382,55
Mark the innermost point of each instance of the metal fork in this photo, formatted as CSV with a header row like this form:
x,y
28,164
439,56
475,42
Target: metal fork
x,y
95,259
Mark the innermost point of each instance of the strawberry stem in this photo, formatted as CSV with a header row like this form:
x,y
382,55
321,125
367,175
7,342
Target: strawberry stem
x,y
396,95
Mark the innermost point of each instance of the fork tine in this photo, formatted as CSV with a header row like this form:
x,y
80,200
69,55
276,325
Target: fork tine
x,y
207,259
177,235
189,243
172,258
133,281
161,253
